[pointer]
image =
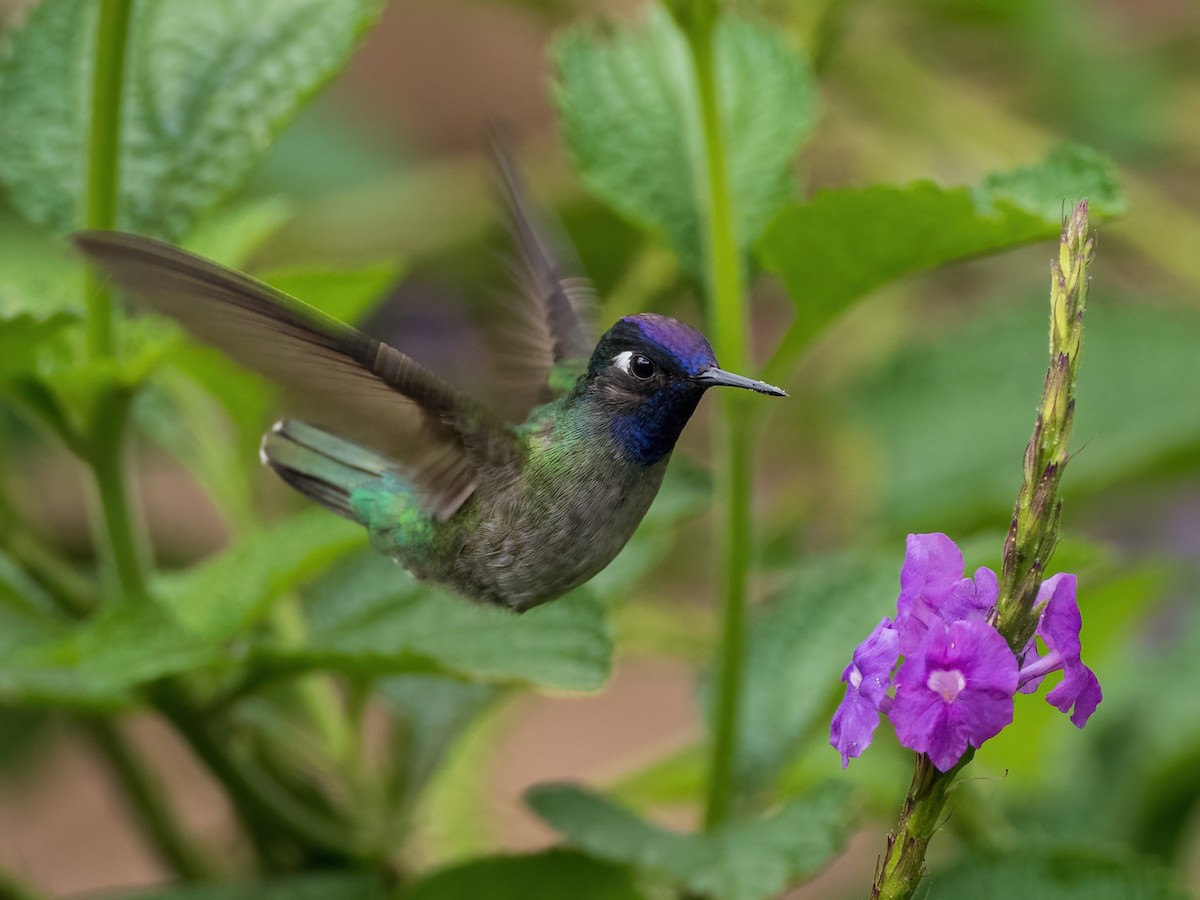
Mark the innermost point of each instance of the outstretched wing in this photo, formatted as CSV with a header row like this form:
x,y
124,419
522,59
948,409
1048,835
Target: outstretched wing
x,y
550,322
334,376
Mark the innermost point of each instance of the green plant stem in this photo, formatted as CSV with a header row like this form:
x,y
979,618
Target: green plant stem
x,y
903,862
146,793
127,555
108,83
724,279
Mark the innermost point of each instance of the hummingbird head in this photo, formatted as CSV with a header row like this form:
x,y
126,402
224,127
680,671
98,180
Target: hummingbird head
x,y
647,374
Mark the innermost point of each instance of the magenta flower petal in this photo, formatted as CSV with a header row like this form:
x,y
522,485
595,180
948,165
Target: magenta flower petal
x,y
867,678
932,568
1079,688
1059,627
971,598
932,588
955,690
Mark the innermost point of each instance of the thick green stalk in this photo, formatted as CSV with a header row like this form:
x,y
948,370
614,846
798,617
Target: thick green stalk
x,y
1031,540
724,280
125,549
103,154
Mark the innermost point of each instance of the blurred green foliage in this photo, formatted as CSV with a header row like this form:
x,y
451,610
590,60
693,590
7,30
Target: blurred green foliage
x,y
945,133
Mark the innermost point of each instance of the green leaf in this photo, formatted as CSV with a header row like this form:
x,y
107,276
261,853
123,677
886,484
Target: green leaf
x,y
796,651
24,339
628,103
429,713
948,458
550,875
1054,874
845,242
346,295
337,886
738,861
96,663
231,236
208,88
371,617
222,596
129,643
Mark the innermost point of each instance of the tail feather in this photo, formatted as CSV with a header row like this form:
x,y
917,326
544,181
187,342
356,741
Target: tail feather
x,y
322,466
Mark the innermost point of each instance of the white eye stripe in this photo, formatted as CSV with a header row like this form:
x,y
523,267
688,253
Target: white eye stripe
x,y
621,360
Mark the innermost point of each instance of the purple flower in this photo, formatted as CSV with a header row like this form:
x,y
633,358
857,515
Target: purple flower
x,y
1059,626
867,678
955,689
932,589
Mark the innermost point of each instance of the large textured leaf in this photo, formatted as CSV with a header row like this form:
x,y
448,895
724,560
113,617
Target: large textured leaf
x,y
844,242
739,861
949,456
629,110
372,617
1054,874
208,87
551,875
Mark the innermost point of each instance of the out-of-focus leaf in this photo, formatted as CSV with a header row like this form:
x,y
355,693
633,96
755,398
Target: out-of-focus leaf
x,y
339,886
948,457
551,875
844,242
38,276
629,108
371,617
232,235
798,646
1054,874
346,295
208,87
27,612
130,643
428,714
23,340
677,779
222,596
96,663
738,861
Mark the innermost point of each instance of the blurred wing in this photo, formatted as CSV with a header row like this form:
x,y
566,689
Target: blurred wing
x,y
335,377
550,321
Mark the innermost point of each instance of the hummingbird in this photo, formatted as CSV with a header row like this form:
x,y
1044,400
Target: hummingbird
x,y
512,513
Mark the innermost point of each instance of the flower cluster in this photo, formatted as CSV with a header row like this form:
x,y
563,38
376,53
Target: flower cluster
x,y
955,687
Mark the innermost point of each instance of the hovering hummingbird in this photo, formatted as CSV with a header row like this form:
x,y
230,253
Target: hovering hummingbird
x,y
515,514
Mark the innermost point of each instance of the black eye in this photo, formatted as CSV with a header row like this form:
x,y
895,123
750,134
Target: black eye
x,y
641,367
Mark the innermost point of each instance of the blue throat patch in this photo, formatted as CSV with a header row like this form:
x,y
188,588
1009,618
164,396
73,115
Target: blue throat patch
x,y
650,433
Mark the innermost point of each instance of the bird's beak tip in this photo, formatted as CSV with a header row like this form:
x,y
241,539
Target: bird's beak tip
x,y
715,376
